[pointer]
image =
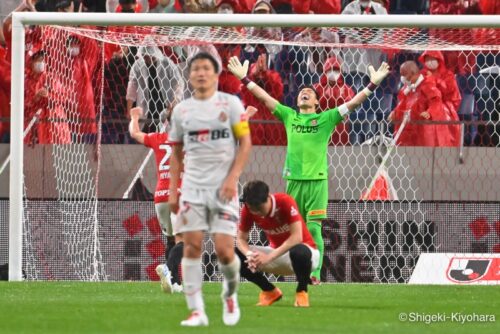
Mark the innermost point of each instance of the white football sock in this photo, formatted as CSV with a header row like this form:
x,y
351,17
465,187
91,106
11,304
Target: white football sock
x,y
231,272
192,276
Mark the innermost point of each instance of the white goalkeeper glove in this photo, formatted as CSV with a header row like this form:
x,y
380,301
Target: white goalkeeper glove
x,y
377,76
235,66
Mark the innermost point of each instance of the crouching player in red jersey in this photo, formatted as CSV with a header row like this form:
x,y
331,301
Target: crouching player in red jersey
x,y
291,249
169,273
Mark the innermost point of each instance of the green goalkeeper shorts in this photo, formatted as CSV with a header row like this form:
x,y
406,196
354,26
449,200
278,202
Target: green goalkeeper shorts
x,y
311,197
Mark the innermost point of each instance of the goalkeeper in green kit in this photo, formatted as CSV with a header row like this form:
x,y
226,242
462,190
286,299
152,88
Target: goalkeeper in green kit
x,y
308,134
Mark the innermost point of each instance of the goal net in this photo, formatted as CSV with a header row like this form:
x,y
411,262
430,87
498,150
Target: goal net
x,y
87,200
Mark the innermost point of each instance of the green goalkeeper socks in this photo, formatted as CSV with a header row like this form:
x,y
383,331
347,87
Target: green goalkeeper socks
x,y
315,228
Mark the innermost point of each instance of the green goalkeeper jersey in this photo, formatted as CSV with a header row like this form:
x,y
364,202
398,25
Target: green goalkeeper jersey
x,y
308,136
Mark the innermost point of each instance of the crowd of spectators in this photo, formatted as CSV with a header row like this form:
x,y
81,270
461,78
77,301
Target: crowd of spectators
x,y
446,87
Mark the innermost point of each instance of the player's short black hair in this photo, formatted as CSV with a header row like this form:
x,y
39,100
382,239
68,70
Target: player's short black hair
x,y
255,193
204,55
311,88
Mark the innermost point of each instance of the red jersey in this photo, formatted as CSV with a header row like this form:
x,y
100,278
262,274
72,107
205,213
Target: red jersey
x,y
163,150
276,225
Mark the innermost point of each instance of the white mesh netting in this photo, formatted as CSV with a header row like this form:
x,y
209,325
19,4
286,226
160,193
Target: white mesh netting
x,y
89,92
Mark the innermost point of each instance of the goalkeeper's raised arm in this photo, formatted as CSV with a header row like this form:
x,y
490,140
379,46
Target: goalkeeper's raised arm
x,y
376,78
240,71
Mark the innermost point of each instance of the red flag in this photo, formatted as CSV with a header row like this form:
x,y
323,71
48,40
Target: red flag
x,y
382,189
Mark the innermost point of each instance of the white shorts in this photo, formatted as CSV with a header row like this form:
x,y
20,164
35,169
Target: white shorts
x,y
167,219
283,264
202,210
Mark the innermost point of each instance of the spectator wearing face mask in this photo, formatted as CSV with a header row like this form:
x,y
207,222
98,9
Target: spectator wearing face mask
x,y
421,97
334,92
355,65
263,7
83,111
228,83
127,6
434,65
115,51
51,126
155,84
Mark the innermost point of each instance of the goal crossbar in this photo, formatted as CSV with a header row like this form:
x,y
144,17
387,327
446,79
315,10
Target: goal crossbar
x,y
272,20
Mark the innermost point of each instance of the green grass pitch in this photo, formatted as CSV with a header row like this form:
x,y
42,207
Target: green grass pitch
x,y
133,307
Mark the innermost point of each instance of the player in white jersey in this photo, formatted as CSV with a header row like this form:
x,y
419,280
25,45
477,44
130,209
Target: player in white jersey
x,y
208,127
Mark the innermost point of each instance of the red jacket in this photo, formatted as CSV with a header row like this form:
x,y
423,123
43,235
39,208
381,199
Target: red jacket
x,y
447,85
489,7
228,83
426,97
85,111
317,6
488,35
451,7
51,127
5,76
334,94
265,134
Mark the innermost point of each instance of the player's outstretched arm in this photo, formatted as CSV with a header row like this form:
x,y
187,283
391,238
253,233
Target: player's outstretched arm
x,y
376,78
240,71
133,127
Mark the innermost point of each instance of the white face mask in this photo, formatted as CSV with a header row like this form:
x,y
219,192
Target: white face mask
x,y
432,64
74,51
207,3
404,81
39,66
333,75
225,10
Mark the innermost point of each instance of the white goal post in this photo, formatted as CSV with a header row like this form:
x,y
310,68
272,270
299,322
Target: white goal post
x,y
22,19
